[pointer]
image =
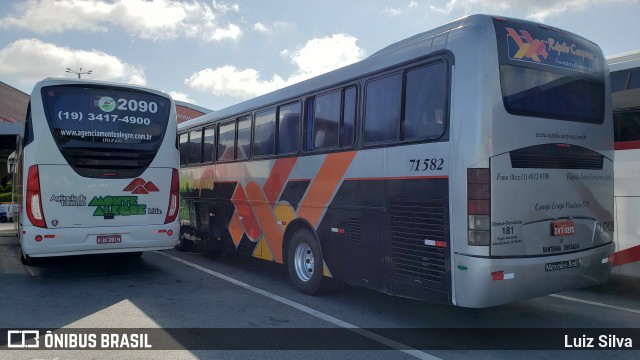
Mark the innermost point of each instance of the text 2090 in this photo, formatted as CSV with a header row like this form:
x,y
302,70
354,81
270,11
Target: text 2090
x,y
426,164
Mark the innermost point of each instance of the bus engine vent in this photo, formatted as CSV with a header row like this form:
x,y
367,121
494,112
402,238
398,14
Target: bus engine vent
x,y
556,156
355,230
119,164
419,241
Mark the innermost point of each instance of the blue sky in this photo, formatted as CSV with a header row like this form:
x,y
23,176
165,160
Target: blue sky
x,y
218,53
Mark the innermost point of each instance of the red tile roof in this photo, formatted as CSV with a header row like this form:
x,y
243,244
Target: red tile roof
x,y
13,104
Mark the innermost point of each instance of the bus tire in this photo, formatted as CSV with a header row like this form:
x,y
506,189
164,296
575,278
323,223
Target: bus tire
x,y
184,244
304,263
26,259
213,249
3,219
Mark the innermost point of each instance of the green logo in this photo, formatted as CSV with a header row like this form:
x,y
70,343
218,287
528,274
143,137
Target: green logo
x,y
117,206
107,104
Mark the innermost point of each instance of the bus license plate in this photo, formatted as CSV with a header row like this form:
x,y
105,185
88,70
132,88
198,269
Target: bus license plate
x,y
563,228
109,239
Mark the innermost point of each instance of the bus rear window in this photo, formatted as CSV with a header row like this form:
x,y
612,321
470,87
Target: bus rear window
x,y
532,92
96,116
106,129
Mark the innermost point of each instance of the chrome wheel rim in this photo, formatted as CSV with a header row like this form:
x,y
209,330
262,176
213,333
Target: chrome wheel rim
x,y
303,262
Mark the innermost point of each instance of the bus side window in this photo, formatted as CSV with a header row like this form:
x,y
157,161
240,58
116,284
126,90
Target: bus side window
x,y
226,141
264,133
184,147
28,128
634,79
326,120
424,102
382,108
244,137
349,108
195,146
288,128
619,80
209,144
626,125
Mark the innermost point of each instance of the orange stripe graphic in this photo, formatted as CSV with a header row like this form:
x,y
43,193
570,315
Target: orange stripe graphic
x,y
264,213
515,37
321,190
278,178
251,226
235,228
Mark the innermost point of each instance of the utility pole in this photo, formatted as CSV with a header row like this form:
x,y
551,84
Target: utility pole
x,y
79,72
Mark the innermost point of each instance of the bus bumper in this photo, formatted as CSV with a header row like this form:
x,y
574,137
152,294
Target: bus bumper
x,y
484,282
83,241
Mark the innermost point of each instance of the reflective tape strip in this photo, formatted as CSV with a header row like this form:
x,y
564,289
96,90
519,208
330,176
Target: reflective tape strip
x,y
435,243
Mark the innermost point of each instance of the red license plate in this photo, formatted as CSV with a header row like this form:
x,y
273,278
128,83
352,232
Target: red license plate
x,y
563,228
109,239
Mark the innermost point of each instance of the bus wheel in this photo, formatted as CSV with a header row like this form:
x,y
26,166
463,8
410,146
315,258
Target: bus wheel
x,y
26,259
184,244
3,219
304,262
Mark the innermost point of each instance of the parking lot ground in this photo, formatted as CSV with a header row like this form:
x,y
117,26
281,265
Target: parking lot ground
x,y
172,290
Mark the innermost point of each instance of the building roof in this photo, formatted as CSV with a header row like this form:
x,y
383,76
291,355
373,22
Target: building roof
x,y
13,104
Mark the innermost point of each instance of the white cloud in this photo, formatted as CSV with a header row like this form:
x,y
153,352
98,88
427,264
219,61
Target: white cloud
x,y
230,81
276,27
318,56
537,10
30,60
180,96
260,27
154,19
400,10
392,12
232,32
225,7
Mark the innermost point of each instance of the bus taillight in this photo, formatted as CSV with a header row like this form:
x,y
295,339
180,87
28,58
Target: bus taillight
x,y
172,212
34,201
479,206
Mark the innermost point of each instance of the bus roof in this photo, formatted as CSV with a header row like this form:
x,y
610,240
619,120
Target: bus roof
x,y
62,81
626,60
404,50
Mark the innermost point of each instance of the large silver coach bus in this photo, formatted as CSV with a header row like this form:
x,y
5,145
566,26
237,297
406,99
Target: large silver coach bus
x,y
468,165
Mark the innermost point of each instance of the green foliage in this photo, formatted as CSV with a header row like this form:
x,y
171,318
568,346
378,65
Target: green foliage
x,y
5,189
5,197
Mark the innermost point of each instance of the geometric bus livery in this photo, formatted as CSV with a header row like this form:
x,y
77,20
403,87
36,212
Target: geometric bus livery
x,y
471,165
